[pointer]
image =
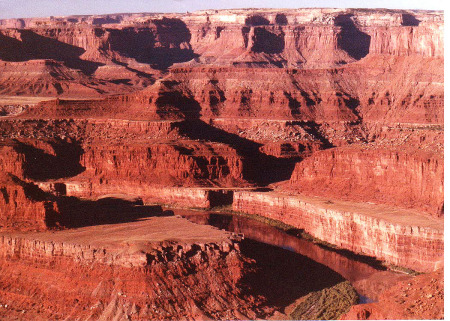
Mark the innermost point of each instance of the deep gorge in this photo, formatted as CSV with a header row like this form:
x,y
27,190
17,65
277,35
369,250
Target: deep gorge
x,y
141,154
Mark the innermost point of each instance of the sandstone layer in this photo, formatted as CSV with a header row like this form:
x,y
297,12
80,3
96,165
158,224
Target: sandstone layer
x,y
155,268
375,175
400,237
340,112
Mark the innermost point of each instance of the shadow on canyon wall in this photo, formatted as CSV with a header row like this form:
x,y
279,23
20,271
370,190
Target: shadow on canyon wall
x,y
31,190
74,212
34,46
41,166
175,38
281,19
350,39
256,163
256,20
130,42
409,20
170,103
267,42
161,45
168,42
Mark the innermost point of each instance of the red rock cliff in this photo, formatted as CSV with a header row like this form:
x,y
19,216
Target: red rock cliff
x,y
400,237
190,278
164,164
130,49
407,179
23,206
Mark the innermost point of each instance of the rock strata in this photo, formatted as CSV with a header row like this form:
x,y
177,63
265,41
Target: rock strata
x,y
406,179
400,237
118,274
329,120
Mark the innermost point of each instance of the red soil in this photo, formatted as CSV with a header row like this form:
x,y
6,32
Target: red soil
x,y
419,298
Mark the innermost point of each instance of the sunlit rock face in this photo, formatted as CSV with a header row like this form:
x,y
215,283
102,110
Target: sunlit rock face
x,y
328,120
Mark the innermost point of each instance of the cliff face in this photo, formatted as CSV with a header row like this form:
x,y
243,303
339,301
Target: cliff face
x,y
164,164
24,206
406,179
114,54
166,279
11,161
291,38
400,237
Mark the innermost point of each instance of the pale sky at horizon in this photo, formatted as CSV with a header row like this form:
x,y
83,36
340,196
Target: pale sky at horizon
x,y
45,8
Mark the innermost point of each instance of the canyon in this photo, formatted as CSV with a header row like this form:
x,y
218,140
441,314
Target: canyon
x,y
329,122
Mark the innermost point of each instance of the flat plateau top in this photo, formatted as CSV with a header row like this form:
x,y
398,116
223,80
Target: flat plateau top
x,y
137,235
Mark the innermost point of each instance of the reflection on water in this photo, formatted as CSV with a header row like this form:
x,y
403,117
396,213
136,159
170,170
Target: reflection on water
x,y
323,266
284,276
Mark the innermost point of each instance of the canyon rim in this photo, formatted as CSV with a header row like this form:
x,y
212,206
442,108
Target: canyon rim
x,y
223,164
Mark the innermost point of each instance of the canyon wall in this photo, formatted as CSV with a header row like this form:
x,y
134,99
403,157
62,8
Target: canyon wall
x,y
406,179
23,206
164,164
91,56
399,237
189,197
169,280
340,112
376,92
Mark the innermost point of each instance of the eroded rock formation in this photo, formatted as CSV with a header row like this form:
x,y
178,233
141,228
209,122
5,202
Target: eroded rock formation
x,y
113,54
375,175
24,206
400,237
151,277
329,120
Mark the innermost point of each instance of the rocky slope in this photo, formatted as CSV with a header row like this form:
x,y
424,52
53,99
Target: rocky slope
x,y
130,270
107,54
420,298
338,111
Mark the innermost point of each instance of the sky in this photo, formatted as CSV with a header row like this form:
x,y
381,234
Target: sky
x,y
45,8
